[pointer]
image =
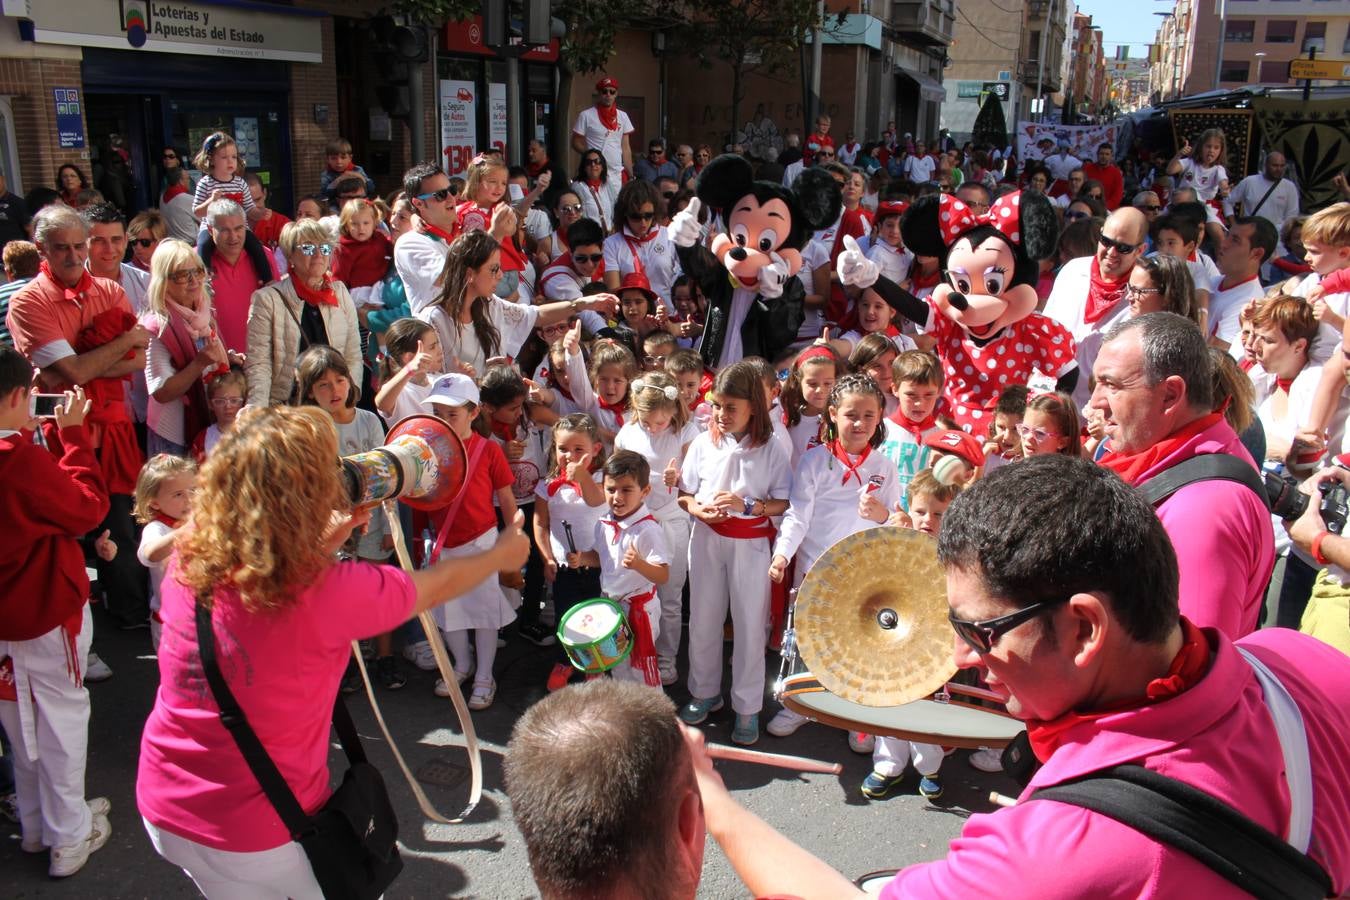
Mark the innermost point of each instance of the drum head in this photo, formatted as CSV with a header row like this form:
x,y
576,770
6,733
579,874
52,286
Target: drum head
x,y
871,618
442,466
872,883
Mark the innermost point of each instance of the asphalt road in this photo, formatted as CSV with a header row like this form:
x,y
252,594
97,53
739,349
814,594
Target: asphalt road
x,y
486,857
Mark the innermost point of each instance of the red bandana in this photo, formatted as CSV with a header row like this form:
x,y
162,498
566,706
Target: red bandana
x,y
350,166
1284,383
324,296
172,191
434,232
504,430
1131,466
922,281
915,428
1103,295
75,293
609,116
556,485
534,170
645,239
617,408
165,520
1188,668
850,469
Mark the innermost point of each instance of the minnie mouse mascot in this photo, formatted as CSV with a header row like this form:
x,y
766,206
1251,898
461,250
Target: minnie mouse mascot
x,y
989,335
754,302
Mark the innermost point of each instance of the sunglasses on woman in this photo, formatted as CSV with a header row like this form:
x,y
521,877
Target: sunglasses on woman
x,y
641,216
570,208
594,161
981,636
1074,216
183,276
311,249
147,243
1135,293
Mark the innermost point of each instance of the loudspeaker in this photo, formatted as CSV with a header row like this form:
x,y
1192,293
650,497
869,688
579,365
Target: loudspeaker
x,y
421,463
496,23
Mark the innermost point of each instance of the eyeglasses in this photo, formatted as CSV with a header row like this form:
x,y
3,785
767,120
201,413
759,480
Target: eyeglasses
x,y
183,276
656,361
1075,215
494,270
1039,434
311,249
981,636
610,92
570,208
587,257
669,195
655,151
594,161
1120,247
438,196
641,216
825,154
226,402
145,242
1137,292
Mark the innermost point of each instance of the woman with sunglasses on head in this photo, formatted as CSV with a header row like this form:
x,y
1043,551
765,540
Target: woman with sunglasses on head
x,y
638,244
184,351
303,308
597,193
566,212
144,233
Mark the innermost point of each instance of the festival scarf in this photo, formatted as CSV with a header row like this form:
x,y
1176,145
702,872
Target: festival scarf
x,y
557,484
1188,668
609,116
75,293
69,198
469,216
617,408
534,170
850,469
914,428
350,165
435,233
324,296
109,423
562,241
362,263
196,321
179,340
165,520
504,430
170,192
1131,466
1103,295
922,281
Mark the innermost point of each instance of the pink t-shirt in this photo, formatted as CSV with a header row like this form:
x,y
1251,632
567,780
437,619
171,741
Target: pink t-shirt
x,y
284,669
232,288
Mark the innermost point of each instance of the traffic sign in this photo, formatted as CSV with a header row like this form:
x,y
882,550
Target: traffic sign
x,y
1338,69
998,88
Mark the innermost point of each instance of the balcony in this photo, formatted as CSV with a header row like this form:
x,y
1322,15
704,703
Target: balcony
x,y
924,21
1049,75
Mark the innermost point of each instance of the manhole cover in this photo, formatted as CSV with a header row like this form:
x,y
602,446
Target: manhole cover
x,y
442,772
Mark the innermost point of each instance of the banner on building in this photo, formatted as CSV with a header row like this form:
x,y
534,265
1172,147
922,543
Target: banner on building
x,y
459,134
1083,140
1236,124
1314,137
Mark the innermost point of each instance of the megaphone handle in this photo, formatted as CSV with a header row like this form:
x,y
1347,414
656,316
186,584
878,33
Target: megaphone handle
x,y
433,635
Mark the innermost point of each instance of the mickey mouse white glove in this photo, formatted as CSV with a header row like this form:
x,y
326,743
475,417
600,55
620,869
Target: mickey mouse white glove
x,y
772,277
684,230
855,269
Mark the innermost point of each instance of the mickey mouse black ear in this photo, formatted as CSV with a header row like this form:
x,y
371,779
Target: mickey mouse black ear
x,y
725,180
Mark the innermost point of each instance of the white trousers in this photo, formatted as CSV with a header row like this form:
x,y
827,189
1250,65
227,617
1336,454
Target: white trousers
x,y
891,755
626,671
49,729
675,524
728,572
277,874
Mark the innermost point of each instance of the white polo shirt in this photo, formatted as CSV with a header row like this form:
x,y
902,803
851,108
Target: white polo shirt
x,y
1067,305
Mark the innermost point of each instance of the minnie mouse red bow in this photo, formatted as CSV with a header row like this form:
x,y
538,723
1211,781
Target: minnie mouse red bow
x,y
955,218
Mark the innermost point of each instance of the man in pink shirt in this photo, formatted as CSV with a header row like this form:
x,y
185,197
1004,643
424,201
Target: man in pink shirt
x,y
1079,632
1154,386
239,265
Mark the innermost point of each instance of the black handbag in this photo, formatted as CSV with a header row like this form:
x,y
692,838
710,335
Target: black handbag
x,y
352,841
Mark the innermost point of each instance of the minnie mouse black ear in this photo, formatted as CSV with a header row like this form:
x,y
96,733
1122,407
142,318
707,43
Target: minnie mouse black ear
x,y
919,227
1039,226
725,180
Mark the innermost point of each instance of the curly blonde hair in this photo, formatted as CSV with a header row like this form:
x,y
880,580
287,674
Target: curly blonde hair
x,y
264,500
154,474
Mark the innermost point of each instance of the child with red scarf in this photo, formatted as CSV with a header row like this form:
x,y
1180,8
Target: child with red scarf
x,y
47,503
485,186
163,502
338,153
916,379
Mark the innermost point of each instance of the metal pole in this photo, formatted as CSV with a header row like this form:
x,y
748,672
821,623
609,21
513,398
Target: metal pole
x,y
1307,82
513,148
417,129
1223,26
814,96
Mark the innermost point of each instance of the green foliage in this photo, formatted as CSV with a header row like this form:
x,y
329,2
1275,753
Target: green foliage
x,y
436,12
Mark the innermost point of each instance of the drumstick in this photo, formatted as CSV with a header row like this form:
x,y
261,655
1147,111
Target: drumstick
x,y
567,530
1001,799
781,760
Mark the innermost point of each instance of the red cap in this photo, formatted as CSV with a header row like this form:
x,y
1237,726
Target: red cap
x,y
891,208
637,281
957,443
607,82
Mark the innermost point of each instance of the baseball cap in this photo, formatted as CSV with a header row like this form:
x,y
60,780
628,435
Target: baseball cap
x,y
454,389
607,82
957,443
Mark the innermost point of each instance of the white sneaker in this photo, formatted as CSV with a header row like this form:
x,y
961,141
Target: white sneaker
x,y
96,669
483,695
420,655
669,675
861,743
98,806
987,760
786,722
67,861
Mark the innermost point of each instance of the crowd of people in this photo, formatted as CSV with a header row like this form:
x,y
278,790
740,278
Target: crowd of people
x,y
623,414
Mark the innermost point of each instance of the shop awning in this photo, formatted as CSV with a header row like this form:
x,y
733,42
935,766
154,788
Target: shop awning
x,y
929,87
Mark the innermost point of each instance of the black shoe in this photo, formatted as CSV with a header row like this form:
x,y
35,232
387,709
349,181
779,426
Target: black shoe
x,y
386,670
351,679
537,634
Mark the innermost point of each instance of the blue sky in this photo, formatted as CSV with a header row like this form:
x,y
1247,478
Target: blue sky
x,y
1125,22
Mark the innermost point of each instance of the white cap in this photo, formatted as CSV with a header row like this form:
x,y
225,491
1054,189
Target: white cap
x,y
453,390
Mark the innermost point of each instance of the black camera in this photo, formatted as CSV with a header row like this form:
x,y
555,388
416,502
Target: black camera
x,y
1288,502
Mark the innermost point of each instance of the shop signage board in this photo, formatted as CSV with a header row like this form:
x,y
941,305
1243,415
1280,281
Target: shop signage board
x,y
459,137
69,120
1338,69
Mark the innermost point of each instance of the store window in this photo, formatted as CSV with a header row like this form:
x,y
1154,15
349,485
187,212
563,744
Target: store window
x,y
1274,71
1240,31
1315,37
1281,31
1235,70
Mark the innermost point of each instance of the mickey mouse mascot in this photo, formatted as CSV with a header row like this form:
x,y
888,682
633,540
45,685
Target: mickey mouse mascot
x,y
754,300
989,335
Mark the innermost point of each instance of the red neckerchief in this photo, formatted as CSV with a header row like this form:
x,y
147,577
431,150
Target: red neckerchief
x,y
850,469
1239,284
922,281
614,526
324,296
1246,364
1284,383
434,232
915,428
556,485
172,191
1187,670
609,116
1130,466
165,520
75,293
1291,265
350,166
617,408
1103,295
504,430
647,238
534,170
562,239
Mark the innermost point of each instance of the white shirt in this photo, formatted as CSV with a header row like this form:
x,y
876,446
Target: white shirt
x,y
639,530
1067,305
791,171
419,260
814,255
609,143
894,262
596,205
1328,338
759,473
657,257
1226,306
849,152
1061,165
567,507
513,322
1279,207
409,400
1205,179
153,532
658,450
804,435
823,508
919,169
579,383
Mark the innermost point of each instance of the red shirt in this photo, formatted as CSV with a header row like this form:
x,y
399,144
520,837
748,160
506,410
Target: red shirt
x,y
232,288
46,325
476,513
268,230
1113,183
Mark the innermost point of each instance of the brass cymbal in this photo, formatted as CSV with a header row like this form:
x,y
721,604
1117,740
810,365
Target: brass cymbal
x,y
871,618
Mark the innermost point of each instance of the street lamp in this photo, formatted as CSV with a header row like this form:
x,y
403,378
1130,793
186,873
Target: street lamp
x,y
1260,55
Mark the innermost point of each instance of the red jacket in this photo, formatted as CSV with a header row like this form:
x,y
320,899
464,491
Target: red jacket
x,y
359,264
47,504
1113,183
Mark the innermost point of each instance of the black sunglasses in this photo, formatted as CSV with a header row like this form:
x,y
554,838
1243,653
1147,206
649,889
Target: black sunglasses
x,y
1120,247
144,242
981,636
438,196
587,257
642,216
669,195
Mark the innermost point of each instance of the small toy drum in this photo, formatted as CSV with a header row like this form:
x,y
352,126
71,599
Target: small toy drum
x,y
872,883
595,636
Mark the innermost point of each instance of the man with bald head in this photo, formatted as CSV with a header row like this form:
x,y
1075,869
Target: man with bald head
x,y
1089,292
1267,194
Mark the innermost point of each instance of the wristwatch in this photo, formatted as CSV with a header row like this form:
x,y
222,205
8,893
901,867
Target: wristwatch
x,y
748,505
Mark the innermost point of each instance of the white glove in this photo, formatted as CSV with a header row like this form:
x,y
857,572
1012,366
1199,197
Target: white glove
x,y
772,277
684,230
855,269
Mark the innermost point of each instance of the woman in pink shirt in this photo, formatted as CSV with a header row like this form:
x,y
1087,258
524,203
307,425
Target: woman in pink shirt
x,y
260,549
